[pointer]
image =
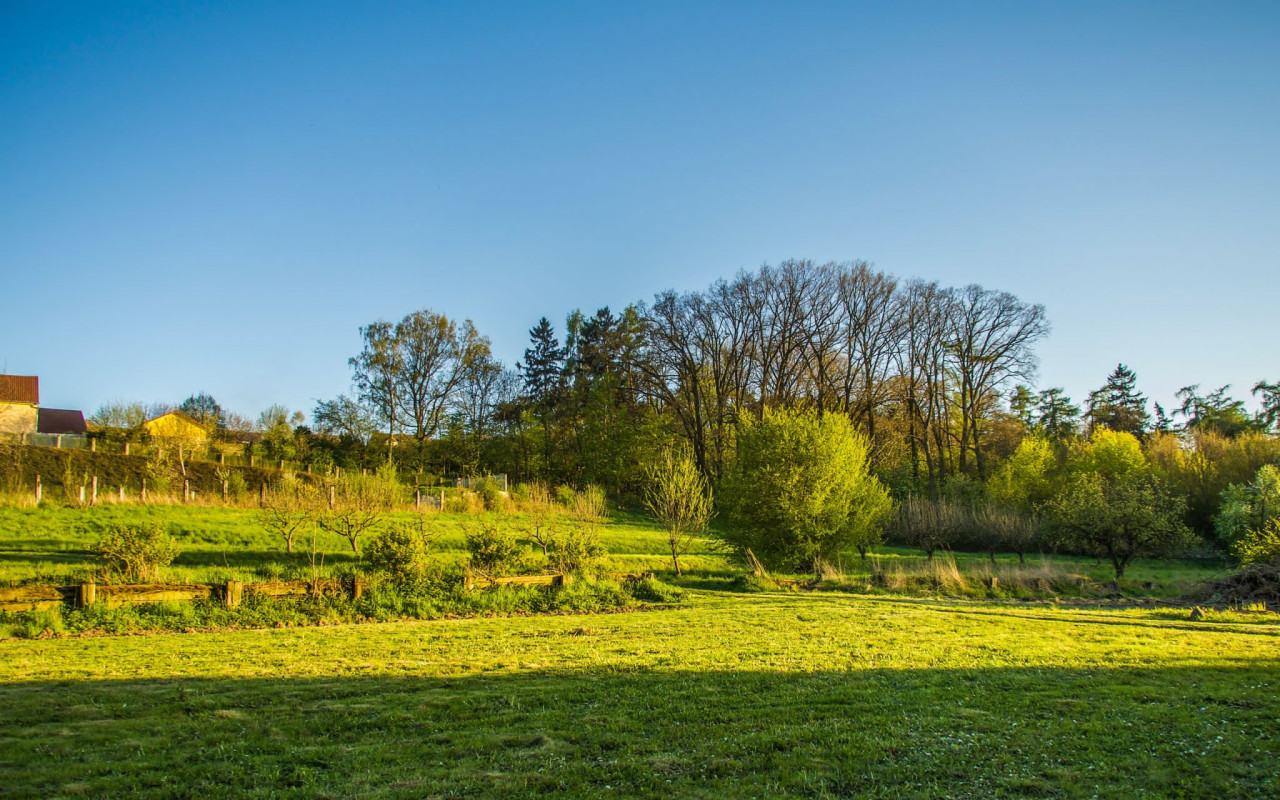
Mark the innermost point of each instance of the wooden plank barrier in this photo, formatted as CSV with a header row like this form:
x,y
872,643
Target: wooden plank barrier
x,y
479,581
118,595
31,598
231,593
296,588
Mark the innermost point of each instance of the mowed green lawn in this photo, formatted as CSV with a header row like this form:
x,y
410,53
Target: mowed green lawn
x,y
761,695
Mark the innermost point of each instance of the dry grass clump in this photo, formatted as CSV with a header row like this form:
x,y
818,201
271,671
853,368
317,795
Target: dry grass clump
x,y
942,574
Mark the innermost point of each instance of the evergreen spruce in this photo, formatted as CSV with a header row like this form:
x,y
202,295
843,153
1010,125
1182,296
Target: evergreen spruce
x,y
543,364
1118,405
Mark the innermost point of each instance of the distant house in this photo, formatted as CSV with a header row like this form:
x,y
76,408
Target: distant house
x,y
175,425
20,410
60,420
19,403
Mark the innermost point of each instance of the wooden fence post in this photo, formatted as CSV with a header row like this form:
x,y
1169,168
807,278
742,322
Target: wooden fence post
x,y
357,588
94,500
417,498
57,441
39,490
224,491
82,494
126,448
251,459
143,495
282,463
93,445
233,594
88,594
186,490
262,493
120,489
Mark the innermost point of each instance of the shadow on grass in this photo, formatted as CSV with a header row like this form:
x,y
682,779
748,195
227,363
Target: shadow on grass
x,y
1008,732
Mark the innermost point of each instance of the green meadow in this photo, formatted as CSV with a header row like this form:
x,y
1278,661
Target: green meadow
x,y
51,544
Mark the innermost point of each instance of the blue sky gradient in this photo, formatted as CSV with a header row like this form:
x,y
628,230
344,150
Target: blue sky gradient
x,y
215,196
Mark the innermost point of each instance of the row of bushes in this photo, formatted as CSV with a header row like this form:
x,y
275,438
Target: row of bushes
x,y
65,471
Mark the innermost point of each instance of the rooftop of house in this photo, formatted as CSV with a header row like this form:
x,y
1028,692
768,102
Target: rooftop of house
x,y
60,420
20,389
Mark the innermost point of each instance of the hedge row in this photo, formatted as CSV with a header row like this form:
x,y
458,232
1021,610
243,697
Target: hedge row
x,y
70,469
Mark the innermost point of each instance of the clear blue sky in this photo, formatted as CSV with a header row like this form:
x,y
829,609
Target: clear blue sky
x,y
215,196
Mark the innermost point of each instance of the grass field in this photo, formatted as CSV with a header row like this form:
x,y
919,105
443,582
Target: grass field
x,y
759,695
51,544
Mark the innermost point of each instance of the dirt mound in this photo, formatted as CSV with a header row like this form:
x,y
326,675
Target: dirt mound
x,y
1258,583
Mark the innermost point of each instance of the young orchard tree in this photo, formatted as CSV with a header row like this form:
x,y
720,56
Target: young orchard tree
x,y
360,503
287,509
799,491
577,544
679,497
541,518
930,525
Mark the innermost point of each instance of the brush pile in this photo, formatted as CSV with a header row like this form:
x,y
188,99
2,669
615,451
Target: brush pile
x,y
1256,583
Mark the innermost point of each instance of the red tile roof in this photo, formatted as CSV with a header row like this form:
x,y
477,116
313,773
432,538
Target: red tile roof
x,y
19,389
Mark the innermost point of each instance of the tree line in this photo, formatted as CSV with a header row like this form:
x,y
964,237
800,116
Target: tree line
x,y
936,378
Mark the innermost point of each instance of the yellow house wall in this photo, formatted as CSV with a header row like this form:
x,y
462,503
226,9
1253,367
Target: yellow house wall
x,y
17,418
170,426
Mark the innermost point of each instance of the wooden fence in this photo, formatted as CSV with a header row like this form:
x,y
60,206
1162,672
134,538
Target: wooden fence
x,y
231,593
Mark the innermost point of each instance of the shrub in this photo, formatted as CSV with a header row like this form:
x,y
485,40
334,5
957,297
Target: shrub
x,y
575,548
590,503
136,552
798,490
490,493
751,582
1260,546
652,590
1248,509
566,496
400,552
236,486
492,546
